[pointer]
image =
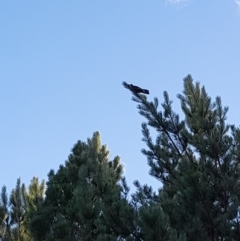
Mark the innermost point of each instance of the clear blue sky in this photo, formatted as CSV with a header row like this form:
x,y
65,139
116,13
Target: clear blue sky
x,y
62,64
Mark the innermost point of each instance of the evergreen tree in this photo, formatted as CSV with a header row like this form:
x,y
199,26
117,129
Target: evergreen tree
x,y
5,224
74,205
15,211
12,212
197,161
35,198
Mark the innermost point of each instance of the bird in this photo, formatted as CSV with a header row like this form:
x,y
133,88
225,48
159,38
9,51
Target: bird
x,y
137,90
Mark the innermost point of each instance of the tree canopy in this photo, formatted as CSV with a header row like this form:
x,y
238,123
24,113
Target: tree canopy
x,y
196,161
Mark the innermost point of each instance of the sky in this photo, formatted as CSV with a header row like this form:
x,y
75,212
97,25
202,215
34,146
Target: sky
x,y
62,64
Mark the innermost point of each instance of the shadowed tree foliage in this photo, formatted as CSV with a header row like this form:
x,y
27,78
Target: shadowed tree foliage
x,y
197,161
35,198
88,199
5,224
76,195
15,211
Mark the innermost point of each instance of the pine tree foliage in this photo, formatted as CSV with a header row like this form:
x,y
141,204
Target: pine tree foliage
x,y
15,211
12,226
35,197
197,160
88,199
18,210
76,195
5,224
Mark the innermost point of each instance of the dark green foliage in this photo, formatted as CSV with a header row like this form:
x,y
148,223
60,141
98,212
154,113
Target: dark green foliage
x,y
87,199
197,160
12,211
16,211
77,195
5,224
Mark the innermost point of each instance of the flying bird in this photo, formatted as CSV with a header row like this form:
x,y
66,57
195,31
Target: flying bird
x,y
135,89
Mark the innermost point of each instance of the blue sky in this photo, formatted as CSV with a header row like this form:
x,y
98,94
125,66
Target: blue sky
x,y
62,64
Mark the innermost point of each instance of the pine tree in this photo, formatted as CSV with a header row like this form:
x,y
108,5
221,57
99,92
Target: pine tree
x,y
34,198
5,224
74,205
12,212
18,210
197,161
15,211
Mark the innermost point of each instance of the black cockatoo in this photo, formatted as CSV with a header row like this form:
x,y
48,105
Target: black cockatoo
x,y
135,89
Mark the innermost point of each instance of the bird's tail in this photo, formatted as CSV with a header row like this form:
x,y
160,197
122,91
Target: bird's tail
x,y
145,91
